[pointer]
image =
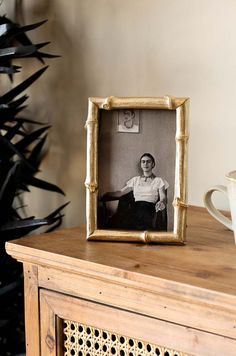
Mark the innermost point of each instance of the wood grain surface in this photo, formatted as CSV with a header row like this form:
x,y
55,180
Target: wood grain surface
x,y
208,260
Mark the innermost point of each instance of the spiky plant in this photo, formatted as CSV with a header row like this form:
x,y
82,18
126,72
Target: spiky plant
x,y
20,156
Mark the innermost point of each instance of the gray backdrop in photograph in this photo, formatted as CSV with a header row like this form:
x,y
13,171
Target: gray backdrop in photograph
x,y
119,153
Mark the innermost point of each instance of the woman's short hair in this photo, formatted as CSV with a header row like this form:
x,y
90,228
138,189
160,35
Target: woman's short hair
x,y
150,156
131,111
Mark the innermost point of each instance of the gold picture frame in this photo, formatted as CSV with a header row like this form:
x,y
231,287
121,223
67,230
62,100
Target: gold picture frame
x,y
180,108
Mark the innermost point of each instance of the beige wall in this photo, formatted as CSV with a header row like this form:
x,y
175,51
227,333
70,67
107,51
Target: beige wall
x,y
135,48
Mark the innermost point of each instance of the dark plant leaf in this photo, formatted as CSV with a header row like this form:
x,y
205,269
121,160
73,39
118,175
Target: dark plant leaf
x,y
15,119
14,214
31,221
9,69
45,55
7,128
20,228
21,87
39,183
22,51
4,28
33,26
4,20
24,40
24,187
19,101
10,112
18,142
13,30
8,233
18,33
26,141
57,211
13,131
56,225
7,193
35,156
8,150
24,223
20,151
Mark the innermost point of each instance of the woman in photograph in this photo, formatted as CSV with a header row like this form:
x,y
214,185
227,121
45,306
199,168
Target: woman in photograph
x,y
147,200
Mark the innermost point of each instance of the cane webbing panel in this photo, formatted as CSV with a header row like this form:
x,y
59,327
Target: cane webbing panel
x,y
84,340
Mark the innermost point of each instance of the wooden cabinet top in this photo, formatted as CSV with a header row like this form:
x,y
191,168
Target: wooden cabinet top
x,y
207,261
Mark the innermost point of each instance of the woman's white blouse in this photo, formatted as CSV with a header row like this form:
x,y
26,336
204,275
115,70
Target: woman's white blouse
x,y
146,190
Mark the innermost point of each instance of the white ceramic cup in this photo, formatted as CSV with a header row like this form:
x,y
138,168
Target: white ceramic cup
x,y
230,191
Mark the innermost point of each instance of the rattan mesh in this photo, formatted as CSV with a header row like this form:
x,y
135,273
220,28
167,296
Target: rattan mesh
x,y
84,340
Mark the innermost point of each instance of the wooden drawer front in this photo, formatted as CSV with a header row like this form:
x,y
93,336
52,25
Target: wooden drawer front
x,y
72,326
177,303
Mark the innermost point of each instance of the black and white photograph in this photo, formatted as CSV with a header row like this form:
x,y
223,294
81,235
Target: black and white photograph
x,y
128,121
136,173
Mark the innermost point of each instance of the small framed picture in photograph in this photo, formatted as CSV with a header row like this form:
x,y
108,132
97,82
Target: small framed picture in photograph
x,y
128,121
137,184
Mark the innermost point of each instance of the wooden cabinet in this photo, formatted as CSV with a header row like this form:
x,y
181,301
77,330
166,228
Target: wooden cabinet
x,y
103,298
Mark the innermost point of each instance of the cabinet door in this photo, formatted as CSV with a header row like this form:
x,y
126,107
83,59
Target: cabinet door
x,y
73,326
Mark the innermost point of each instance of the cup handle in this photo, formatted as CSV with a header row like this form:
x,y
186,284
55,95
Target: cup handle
x,y
211,208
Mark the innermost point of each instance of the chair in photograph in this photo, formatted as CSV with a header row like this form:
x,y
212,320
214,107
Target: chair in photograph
x,y
124,215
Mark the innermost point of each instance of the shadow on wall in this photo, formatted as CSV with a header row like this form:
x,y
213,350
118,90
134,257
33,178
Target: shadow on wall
x,y
60,99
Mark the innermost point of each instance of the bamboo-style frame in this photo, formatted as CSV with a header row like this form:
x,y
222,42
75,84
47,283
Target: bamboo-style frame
x,y
181,107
